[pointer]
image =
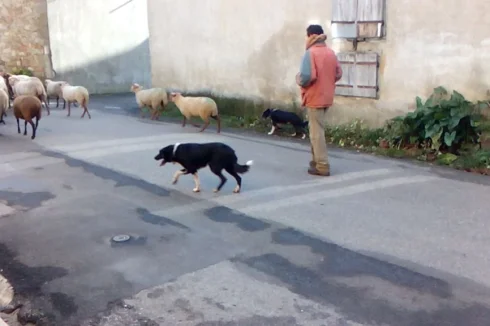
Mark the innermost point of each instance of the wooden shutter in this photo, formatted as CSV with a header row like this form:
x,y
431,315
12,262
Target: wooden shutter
x,y
360,74
358,18
344,16
370,18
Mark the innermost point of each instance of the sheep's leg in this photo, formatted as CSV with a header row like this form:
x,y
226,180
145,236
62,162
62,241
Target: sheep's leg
x,y
25,127
43,99
57,101
183,122
206,124
1,118
64,104
85,109
218,121
18,126
154,114
69,109
33,129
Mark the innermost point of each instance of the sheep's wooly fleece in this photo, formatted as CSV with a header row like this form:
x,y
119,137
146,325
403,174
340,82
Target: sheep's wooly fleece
x,y
6,292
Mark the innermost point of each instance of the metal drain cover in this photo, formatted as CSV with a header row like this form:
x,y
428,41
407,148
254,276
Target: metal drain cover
x,y
121,238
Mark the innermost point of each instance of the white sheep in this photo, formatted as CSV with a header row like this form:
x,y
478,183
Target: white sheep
x,y
200,106
53,89
4,87
32,86
3,84
77,94
4,104
154,98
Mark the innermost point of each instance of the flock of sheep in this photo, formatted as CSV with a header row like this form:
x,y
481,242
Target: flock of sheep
x,y
156,99
29,94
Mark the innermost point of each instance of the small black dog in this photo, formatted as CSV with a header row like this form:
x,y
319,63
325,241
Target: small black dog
x,y
194,156
279,116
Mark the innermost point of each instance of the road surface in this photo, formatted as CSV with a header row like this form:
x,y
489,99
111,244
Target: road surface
x,y
380,242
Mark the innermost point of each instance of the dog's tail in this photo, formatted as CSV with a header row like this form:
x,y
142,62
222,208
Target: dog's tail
x,y
243,168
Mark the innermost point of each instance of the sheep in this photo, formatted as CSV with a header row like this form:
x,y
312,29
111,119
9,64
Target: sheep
x,y
4,104
201,106
32,86
3,85
75,94
4,88
12,78
53,89
6,77
153,98
27,107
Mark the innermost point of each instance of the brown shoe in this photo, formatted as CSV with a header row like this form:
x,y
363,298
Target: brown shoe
x,y
315,171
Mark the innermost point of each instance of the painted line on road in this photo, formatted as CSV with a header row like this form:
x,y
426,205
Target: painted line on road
x,y
17,156
335,193
245,197
167,138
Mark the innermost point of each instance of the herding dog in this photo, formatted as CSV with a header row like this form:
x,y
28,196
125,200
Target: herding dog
x,y
279,116
194,156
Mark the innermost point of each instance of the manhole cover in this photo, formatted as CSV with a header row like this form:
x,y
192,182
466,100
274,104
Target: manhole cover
x,y
121,238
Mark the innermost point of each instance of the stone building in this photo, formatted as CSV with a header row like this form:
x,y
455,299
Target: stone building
x,y
24,40
391,50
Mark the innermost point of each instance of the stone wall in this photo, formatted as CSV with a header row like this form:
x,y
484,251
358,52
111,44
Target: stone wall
x,y
24,35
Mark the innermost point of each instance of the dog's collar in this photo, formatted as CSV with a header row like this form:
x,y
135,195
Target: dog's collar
x,y
175,149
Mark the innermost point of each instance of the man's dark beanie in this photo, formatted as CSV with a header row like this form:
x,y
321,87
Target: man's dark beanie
x,y
314,29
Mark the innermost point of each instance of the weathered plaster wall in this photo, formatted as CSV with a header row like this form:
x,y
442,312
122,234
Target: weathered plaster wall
x,y
24,35
102,45
254,48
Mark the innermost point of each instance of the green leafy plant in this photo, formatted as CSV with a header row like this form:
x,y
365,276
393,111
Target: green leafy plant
x,y
443,123
22,71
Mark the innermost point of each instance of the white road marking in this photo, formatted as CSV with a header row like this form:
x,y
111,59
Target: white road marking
x,y
230,200
334,193
18,156
164,139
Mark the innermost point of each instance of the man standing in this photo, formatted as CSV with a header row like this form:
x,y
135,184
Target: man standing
x,y
319,72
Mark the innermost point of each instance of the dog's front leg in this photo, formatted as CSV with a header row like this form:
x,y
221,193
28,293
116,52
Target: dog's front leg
x,y
272,130
196,181
296,128
177,175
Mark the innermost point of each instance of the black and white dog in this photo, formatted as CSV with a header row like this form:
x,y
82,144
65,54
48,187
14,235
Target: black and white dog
x,y
279,116
195,156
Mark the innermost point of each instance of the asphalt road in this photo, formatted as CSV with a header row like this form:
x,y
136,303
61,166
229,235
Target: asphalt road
x,y
380,242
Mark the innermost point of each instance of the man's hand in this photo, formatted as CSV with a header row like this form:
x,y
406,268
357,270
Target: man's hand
x,y
298,80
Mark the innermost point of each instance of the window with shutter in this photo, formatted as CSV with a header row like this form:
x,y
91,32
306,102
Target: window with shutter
x,y
358,19
360,74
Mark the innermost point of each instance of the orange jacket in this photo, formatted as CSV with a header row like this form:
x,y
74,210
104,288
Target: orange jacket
x,y
319,71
